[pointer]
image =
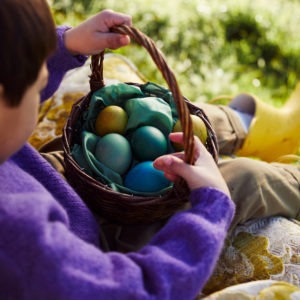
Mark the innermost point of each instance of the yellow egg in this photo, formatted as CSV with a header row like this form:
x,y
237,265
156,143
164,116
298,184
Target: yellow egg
x,y
199,129
111,119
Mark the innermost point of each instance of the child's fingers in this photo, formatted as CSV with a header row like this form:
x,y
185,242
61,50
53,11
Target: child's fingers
x,y
172,166
162,163
176,137
111,40
170,176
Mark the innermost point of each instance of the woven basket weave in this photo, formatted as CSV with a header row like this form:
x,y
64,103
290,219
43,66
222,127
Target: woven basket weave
x,y
120,207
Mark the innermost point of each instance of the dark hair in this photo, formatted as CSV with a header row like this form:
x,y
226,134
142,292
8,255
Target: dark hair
x,y
28,37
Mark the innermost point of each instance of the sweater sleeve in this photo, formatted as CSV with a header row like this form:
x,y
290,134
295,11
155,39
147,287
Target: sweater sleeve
x,y
41,258
59,63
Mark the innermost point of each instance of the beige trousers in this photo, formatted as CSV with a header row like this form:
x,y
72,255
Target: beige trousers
x,y
259,189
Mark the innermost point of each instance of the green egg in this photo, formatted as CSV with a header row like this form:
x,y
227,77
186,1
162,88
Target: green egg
x,y
114,151
148,143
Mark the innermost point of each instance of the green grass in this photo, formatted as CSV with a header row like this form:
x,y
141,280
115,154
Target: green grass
x,y
214,47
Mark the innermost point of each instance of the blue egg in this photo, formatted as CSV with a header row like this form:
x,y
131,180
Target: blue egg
x,y
148,143
143,177
114,151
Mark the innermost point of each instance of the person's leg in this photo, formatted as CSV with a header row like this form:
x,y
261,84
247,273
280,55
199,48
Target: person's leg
x,y
250,127
53,153
228,128
262,189
273,132
259,189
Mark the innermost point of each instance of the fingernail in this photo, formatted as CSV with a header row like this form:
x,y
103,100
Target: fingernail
x,y
168,161
124,40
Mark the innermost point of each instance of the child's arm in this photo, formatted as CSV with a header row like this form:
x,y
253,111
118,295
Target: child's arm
x,y
60,63
75,44
42,258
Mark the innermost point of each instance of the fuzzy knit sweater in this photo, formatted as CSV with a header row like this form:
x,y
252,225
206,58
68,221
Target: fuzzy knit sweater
x,y
49,240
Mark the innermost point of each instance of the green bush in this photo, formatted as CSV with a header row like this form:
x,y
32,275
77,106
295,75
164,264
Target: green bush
x,y
214,47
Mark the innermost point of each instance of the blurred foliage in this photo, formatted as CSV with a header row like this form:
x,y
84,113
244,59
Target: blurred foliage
x,y
214,47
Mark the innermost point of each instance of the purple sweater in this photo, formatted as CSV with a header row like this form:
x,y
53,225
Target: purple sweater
x,y
49,239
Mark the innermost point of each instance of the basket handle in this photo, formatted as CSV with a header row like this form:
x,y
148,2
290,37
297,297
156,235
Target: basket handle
x,y
97,82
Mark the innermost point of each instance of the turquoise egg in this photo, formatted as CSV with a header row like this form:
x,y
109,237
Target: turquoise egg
x,y
148,143
143,177
114,151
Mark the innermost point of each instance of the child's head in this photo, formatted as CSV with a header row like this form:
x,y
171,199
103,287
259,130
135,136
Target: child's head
x,y
27,35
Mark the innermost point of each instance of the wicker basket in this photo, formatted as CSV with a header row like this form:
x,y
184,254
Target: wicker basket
x,y
120,207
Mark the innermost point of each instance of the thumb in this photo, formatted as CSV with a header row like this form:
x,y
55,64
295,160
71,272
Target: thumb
x,y
172,166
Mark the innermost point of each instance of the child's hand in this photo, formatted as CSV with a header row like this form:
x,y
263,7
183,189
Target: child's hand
x,y
204,173
92,36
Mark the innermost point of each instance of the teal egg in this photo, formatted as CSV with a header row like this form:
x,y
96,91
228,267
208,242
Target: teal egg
x,y
143,177
114,151
148,143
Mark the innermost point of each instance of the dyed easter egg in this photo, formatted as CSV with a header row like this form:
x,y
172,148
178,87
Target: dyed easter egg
x,y
112,119
143,177
199,129
148,143
113,150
